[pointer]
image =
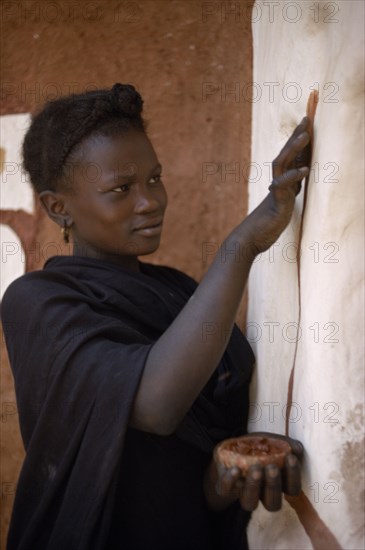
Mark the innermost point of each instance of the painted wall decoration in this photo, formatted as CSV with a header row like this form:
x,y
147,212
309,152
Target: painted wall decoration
x,y
308,322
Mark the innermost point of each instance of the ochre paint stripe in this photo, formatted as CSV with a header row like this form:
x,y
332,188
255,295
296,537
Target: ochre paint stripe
x,y
311,111
320,536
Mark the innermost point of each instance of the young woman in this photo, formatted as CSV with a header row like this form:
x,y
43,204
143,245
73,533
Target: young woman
x,y
121,399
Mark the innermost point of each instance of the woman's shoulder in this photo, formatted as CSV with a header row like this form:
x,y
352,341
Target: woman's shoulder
x,y
26,292
25,283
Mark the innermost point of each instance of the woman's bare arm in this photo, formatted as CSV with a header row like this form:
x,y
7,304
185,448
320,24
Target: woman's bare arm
x,y
182,360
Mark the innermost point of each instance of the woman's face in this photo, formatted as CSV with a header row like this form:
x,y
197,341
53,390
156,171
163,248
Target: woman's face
x,y
117,201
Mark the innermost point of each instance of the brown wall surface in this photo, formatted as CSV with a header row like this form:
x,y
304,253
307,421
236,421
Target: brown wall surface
x,y
184,57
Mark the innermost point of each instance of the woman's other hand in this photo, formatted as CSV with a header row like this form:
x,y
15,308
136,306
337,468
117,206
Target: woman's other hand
x,y
225,485
267,484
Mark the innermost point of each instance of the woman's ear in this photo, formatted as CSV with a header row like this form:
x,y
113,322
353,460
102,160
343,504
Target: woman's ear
x,y
54,205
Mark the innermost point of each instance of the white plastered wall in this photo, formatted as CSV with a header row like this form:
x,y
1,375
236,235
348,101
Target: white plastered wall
x,y
15,193
298,47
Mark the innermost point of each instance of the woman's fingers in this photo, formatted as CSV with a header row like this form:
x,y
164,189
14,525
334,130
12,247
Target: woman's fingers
x,y
289,177
304,157
252,488
272,497
303,126
288,185
292,478
288,154
227,479
265,484
296,447
268,485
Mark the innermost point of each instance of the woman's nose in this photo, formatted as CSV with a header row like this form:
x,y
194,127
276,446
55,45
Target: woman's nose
x,y
145,201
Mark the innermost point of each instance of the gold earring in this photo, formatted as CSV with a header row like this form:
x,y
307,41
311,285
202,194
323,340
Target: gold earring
x,y
65,230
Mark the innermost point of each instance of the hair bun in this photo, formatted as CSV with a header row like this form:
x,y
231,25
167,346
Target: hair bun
x,y
126,99
64,122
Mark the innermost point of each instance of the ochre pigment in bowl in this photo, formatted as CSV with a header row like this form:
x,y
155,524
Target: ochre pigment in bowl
x,y
243,452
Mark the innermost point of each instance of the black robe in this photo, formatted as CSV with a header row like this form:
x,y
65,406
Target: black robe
x,y
78,334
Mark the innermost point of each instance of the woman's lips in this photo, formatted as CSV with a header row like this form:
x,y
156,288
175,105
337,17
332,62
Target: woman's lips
x,y
150,230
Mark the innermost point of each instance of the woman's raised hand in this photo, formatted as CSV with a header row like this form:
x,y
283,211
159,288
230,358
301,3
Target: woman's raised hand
x,y
265,224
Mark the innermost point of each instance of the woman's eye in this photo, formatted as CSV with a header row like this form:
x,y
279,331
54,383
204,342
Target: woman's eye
x,y
122,188
156,179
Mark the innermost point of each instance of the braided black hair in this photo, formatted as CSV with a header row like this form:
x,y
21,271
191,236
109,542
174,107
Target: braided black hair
x,y
64,123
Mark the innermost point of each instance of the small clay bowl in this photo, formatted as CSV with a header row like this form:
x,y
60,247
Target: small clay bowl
x,y
243,452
